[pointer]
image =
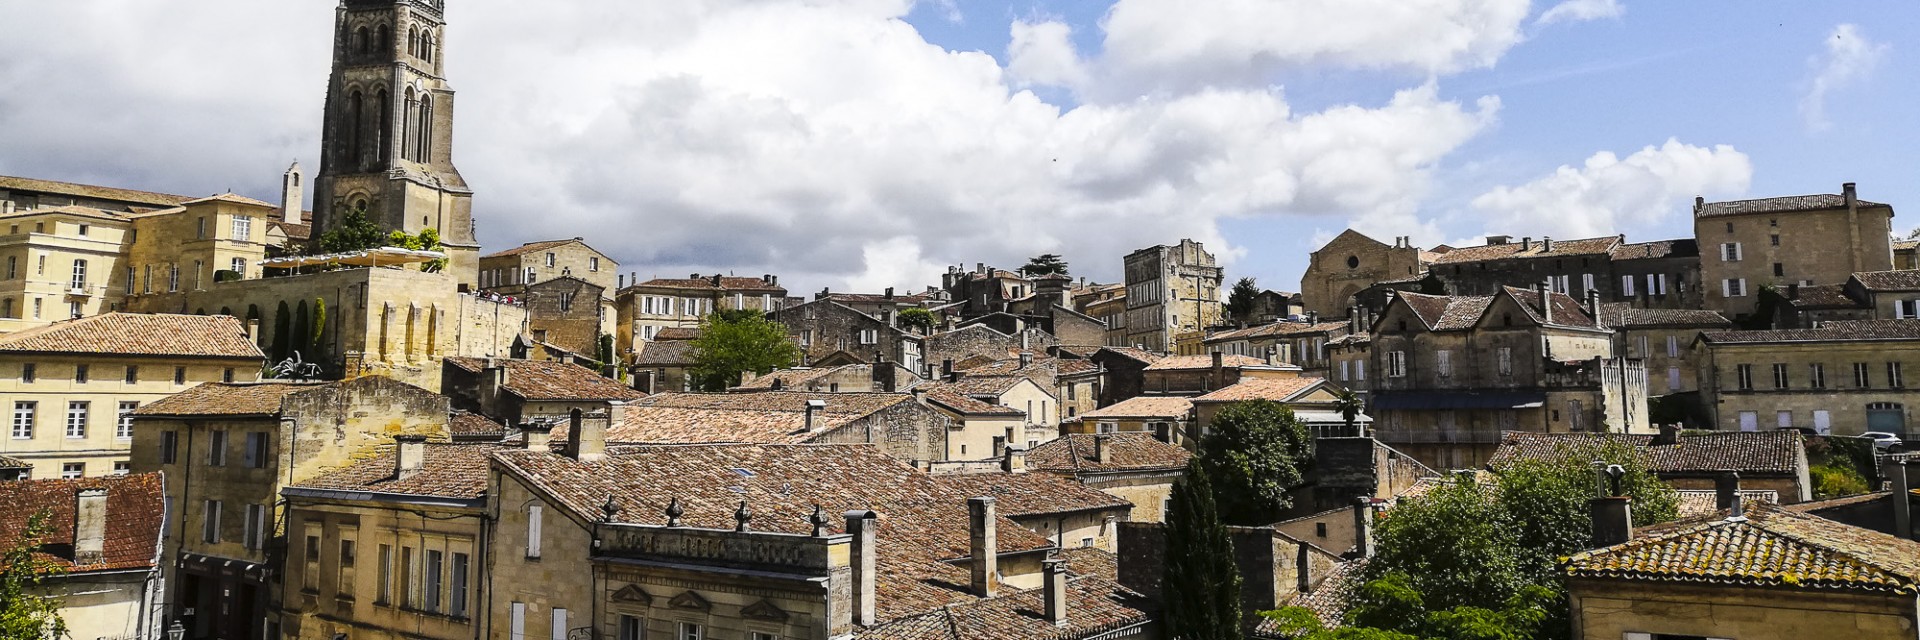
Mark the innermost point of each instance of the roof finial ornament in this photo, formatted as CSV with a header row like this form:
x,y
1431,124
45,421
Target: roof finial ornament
x,y
609,509
674,512
819,520
741,516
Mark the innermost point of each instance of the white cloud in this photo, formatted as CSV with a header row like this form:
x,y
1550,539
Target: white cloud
x,y
1042,53
1849,57
1609,195
824,141
1582,11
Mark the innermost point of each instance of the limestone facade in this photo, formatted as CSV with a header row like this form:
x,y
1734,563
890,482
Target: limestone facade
x,y
1806,240
569,313
1843,378
1170,289
509,272
823,327
643,309
1351,263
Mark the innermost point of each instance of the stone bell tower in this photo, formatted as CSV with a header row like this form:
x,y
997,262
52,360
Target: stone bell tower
x,y
387,141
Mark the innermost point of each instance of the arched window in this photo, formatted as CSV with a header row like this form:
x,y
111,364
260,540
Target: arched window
x,y
385,39
360,43
385,104
408,124
413,41
355,121
427,48
424,149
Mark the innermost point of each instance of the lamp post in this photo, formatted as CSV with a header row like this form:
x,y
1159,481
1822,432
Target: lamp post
x,y
176,632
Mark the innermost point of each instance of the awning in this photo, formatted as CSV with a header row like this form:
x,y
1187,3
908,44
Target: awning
x,y
1328,417
381,257
1403,400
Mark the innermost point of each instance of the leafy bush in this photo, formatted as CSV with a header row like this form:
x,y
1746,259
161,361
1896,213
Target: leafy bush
x,y
1836,480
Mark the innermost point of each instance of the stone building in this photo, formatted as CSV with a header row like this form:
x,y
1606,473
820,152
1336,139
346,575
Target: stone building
x,y
390,545
518,392
1167,418
1663,340
1075,382
1574,267
1817,239
1170,290
1132,466
1018,392
1125,369
509,272
1311,399
232,448
1351,263
1301,344
103,539
980,340
387,129
1763,573
859,378
1199,375
885,305
756,551
1448,375
72,386
984,428
1870,295
983,290
824,327
643,309
1110,307
1773,461
1068,513
568,313
894,422
1663,274
666,363
1842,378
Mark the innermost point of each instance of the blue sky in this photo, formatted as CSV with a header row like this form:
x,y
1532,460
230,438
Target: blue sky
x,y
861,144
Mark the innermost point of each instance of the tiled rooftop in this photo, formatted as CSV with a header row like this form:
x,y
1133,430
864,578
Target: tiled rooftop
x,y
226,399
967,405
12,183
1144,407
1095,605
547,380
665,353
1704,502
1834,331
1622,314
1905,280
1141,355
1756,452
1679,248
727,283
1275,389
1824,296
1782,204
1204,361
1129,451
768,417
1534,249
135,511
1033,494
139,334
541,245
457,471
798,378
1769,547
462,424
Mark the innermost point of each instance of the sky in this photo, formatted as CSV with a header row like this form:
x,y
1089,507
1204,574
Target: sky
x,y
861,144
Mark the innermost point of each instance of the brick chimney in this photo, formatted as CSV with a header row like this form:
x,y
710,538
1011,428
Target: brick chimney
x,y
1546,301
89,526
409,456
1055,596
587,439
984,546
862,525
1363,527
1103,448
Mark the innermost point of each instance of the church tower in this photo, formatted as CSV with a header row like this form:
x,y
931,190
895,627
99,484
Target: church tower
x,y
387,142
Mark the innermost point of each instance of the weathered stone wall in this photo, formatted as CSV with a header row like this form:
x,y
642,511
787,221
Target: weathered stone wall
x,y
566,312
1610,609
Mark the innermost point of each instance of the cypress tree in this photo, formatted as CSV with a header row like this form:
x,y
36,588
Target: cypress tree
x,y
319,343
282,332
1200,589
302,329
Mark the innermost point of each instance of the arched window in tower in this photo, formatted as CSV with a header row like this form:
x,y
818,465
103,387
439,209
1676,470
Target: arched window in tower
x,y
413,41
385,40
425,148
427,49
407,125
385,104
354,124
360,43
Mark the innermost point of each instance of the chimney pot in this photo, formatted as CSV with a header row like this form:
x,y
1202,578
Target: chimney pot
x,y
410,455
1612,520
1546,301
1699,203
1850,194
861,525
587,440
1526,243
1055,597
89,526
814,407
983,544
1363,526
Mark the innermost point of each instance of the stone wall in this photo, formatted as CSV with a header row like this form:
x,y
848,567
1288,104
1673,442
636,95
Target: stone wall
x,y
566,312
1610,609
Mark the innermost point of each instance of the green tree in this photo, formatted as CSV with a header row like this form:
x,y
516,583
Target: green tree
x,y
1044,264
1350,406
736,341
1200,589
917,318
302,335
605,349
317,346
1255,451
354,233
427,240
282,332
1240,299
26,613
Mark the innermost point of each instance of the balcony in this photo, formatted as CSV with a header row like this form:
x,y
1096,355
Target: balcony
x,y
78,290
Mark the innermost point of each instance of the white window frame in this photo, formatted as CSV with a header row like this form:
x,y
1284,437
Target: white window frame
x,y
1396,364
535,514
1730,252
1673,346
1504,357
242,227
1586,282
517,624
1673,379
1729,286
210,522
1443,363
1359,371
1626,286
78,412
25,414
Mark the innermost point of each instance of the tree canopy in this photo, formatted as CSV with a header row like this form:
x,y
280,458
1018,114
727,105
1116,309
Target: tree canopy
x,y
26,613
1200,588
736,341
917,318
1045,264
1240,299
355,232
1255,451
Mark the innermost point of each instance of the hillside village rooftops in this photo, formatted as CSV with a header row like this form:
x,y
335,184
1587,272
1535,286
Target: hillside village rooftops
x,y
1768,547
1748,452
1677,248
1530,249
1782,204
1033,494
226,399
134,515
13,183
666,353
1175,407
713,283
451,471
1194,363
138,334
797,378
1625,315
1126,451
766,417
550,381
967,405
1902,280
540,245
1832,331
1275,389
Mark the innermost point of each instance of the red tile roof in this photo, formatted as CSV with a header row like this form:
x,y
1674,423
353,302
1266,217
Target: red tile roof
x,y
1768,547
766,417
1625,315
1748,452
966,405
541,245
1034,494
1275,389
1172,363
139,334
457,471
547,380
1832,331
1907,280
1781,204
226,399
1561,248
1129,451
1095,605
12,183
1177,407
135,511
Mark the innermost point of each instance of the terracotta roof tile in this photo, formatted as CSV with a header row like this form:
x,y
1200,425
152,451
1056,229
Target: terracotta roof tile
x,y
1905,280
667,353
1145,407
1275,389
547,380
463,424
1561,248
12,183
1033,494
982,385
226,399
727,283
540,245
1769,547
1205,361
766,417
1622,314
1695,503
1679,248
1834,331
135,510
139,334
797,378
1825,296
1128,451
1748,452
1094,606
233,198
450,470
966,405
1781,204
1141,355
668,334
1327,600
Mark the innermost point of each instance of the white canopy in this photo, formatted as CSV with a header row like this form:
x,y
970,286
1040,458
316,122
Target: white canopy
x,y
381,257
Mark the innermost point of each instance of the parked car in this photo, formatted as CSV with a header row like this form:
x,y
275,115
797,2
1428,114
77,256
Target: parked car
x,y
1804,431
1883,440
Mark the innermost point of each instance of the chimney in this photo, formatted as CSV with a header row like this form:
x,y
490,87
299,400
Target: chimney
x,y
1593,306
814,407
410,455
1313,318
1526,243
291,195
715,279
1026,359
1726,490
889,293
1103,448
979,267
1546,244
89,526
1698,204
946,368
1219,369
1546,301
1363,527
861,525
253,329
1847,192
538,436
983,544
1056,590
770,280
1669,435
622,283
1302,568
1902,507
587,440
1793,291
1015,460
1612,520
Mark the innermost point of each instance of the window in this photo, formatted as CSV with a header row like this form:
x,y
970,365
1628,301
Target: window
x,y
255,455
432,580
1397,364
1775,239
1626,286
632,628
210,522
122,468
1443,363
38,305
73,470
79,281
1505,358
131,280
77,419
1903,309
200,228
1822,422
1733,287
226,375
1673,379
27,372
80,374
179,375
1893,376
407,597
550,258
347,554
148,287
1860,379
1749,421
1784,419
1673,346
384,589
1779,270
254,534
690,631
593,263
559,623
1743,376
1360,370
1779,375
169,446
517,624
240,267
533,531
1343,371
13,267
1586,282
217,448
1656,284
869,336
242,228
457,596
1730,252
173,277
1642,344
1817,376
74,310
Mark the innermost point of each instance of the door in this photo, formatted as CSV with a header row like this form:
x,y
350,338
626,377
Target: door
x,y
1749,421
1887,416
1823,422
